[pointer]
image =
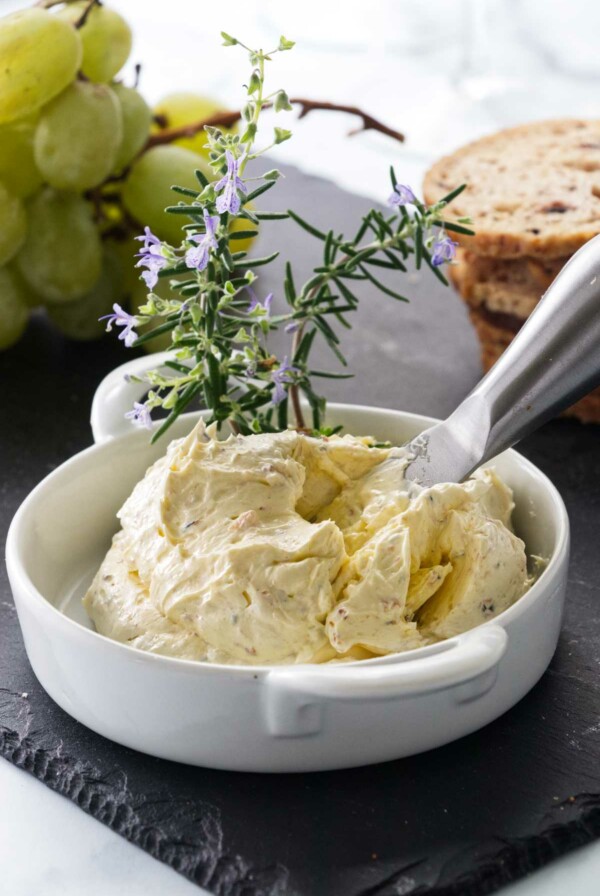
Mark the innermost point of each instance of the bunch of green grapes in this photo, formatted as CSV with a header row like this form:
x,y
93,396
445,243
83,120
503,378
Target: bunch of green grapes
x,y
78,175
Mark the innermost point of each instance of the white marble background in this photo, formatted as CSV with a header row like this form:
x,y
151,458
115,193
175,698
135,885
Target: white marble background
x,y
443,71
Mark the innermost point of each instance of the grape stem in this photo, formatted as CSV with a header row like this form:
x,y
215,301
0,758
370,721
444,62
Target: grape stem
x,y
84,15
227,119
48,4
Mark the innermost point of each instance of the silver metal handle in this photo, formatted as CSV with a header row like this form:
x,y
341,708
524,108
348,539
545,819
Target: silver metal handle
x,y
553,360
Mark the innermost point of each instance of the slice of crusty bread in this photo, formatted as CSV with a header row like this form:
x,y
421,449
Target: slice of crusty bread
x,y
495,335
531,190
510,286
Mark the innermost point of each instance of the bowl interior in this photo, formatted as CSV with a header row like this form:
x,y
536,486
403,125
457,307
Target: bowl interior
x,y
65,526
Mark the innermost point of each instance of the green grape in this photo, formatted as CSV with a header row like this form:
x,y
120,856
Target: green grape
x,y
78,135
62,255
125,250
40,54
17,164
183,108
79,320
147,190
106,39
14,311
137,117
13,224
31,297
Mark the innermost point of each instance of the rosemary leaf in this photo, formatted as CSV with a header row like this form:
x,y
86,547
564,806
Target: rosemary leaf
x,y
381,263
269,216
328,248
289,286
257,262
347,293
304,347
250,215
454,193
418,246
185,191
282,414
259,191
156,331
183,209
381,286
325,374
362,229
453,228
242,235
185,399
306,226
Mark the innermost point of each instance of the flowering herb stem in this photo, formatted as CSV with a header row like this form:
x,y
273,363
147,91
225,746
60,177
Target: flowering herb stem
x,y
217,317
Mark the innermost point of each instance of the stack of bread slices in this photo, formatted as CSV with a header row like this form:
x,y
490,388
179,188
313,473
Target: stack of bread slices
x,y
533,194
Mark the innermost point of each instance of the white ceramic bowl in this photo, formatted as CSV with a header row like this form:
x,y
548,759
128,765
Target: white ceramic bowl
x,y
262,718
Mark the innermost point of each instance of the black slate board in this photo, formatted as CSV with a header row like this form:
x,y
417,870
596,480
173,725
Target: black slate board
x,y
463,819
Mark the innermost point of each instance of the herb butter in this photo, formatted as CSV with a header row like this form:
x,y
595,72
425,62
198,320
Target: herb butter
x,y
283,548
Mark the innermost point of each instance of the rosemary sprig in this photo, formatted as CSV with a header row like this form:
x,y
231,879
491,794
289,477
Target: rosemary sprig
x,y
220,327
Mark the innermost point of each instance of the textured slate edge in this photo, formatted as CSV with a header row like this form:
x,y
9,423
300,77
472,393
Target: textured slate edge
x,y
513,860
519,857
200,856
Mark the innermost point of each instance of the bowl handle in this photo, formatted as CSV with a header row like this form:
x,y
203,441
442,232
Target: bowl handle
x,y
116,394
295,694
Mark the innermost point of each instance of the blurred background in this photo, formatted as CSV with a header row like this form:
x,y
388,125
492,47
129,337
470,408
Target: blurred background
x,y
442,72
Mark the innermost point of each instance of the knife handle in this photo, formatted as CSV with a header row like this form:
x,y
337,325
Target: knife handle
x,y
552,362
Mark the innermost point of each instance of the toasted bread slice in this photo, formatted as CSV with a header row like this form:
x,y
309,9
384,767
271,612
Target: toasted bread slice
x,y
509,286
532,190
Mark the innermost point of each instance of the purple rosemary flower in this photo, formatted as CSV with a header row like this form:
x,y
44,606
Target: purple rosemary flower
x,y
402,195
254,303
148,239
151,257
231,183
283,374
121,318
197,257
444,250
292,327
140,415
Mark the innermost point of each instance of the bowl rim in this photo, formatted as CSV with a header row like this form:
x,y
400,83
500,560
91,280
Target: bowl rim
x,y
38,603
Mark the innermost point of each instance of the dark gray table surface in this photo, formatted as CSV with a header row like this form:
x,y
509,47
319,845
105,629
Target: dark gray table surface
x,y
463,819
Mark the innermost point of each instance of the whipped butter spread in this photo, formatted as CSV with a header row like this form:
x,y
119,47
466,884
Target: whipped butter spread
x,y
283,548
